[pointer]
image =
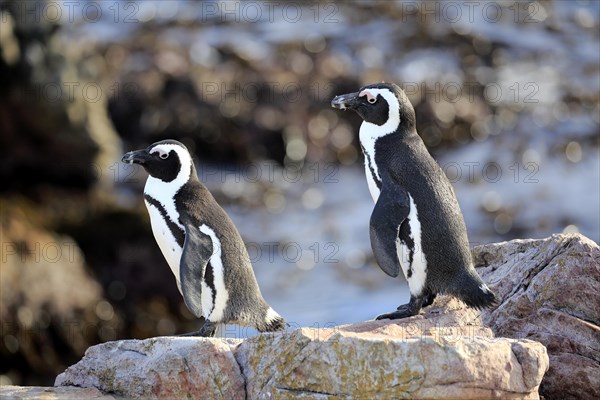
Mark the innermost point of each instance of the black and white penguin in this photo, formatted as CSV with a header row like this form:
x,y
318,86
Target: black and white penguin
x,y
200,243
416,225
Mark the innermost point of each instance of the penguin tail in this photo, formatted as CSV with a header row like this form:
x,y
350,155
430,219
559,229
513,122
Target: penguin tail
x,y
272,322
476,294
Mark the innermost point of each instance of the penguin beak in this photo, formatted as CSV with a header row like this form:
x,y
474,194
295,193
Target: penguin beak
x,y
136,157
345,101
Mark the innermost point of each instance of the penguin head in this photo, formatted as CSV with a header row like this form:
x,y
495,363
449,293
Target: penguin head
x,y
166,160
381,104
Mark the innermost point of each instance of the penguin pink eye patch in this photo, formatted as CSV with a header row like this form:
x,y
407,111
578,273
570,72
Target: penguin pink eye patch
x,y
161,153
370,98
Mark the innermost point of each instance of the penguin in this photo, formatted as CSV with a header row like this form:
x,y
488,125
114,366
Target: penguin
x,y
416,225
200,243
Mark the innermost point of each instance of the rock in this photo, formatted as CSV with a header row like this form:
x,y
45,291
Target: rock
x,y
55,393
163,367
390,360
70,142
549,292
444,353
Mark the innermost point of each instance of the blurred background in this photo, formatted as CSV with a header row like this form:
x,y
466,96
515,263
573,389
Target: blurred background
x,y
506,96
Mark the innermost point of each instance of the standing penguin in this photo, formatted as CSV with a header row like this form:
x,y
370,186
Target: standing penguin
x,y
416,225
200,243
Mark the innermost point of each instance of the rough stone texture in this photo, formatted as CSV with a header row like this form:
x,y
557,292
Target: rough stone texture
x,y
547,289
383,359
549,292
443,353
54,393
164,367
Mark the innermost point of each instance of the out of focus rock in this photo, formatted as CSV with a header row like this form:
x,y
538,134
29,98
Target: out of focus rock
x,y
549,291
53,113
243,91
50,305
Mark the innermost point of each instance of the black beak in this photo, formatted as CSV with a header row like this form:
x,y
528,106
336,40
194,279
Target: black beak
x,y
136,157
345,101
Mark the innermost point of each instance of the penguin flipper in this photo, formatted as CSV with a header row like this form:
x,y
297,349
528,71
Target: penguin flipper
x,y
392,208
197,250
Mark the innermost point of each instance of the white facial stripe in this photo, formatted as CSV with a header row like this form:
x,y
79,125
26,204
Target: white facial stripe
x,y
393,114
161,152
184,158
221,295
369,132
416,282
165,192
371,98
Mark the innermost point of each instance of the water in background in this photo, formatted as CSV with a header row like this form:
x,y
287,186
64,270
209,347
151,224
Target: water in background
x,y
506,97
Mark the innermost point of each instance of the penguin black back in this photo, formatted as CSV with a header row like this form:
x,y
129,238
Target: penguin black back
x,y
417,225
200,242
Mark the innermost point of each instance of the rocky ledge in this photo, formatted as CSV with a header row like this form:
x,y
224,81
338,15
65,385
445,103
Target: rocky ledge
x,y
442,353
548,291
417,358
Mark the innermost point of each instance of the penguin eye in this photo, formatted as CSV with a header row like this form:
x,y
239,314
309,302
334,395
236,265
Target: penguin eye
x,y
372,100
162,154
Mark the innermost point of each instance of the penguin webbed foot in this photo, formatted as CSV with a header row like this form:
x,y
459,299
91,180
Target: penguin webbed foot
x,y
188,334
429,300
208,330
403,311
410,309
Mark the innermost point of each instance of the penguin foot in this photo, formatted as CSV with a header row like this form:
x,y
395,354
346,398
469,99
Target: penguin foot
x,y
412,308
429,300
188,334
208,330
404,311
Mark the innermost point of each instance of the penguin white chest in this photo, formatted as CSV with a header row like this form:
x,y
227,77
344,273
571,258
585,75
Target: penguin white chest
x,y
165,240
412,260
373,189
368,136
